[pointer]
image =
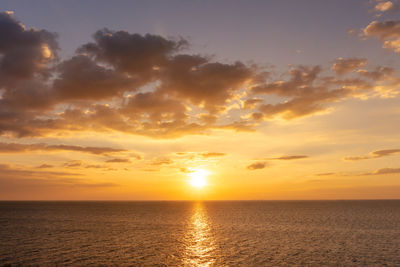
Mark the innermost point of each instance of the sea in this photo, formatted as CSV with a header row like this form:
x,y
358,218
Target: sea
x,y
214,233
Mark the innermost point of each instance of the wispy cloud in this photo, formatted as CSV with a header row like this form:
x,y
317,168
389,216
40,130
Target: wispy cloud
x,y
212,154
257,166
118,160
45,166
291,157
375,154
383,171
22,148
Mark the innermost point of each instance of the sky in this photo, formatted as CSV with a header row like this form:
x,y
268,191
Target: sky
x,y
214,100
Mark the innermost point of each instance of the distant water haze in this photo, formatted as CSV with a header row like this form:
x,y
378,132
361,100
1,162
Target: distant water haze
x,y
237,233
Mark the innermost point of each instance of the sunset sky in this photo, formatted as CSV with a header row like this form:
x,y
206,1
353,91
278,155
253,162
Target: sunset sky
x,y
132,100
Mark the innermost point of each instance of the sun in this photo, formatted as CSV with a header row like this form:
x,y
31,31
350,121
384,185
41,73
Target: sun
x,y
198,178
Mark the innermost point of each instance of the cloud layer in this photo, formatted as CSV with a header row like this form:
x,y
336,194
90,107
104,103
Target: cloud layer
x,y
21,148
148,85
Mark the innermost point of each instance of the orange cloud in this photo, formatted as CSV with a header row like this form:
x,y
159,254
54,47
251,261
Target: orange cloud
x,y
342,66
385,6
388,32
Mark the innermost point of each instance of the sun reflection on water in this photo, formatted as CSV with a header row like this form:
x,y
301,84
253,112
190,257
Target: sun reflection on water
x,y
199,240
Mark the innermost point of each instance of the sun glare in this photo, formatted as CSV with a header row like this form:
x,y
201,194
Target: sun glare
x,y
198,178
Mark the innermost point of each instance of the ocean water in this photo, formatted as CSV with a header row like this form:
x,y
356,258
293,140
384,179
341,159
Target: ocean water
x,y
237,233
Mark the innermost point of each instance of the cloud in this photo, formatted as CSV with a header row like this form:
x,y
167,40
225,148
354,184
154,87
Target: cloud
x,y
73,164
375,154
385,152
24,51
257,166
383,171
44,166
310,103
301,79
378,74
21,148
356,158
252,103
15,172
161,112
132,53
94,166
305,93
148,85
209,84
388,32
291,157
92,150
343,66
81,78
387,171
161,161
385,6
325,174
118,160
212,154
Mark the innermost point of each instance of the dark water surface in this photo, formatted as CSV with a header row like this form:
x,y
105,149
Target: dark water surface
x,y
252,233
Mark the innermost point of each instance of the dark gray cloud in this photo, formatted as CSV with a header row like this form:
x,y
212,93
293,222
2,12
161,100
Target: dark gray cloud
x,y
81,78
138,55
210,84
24,51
